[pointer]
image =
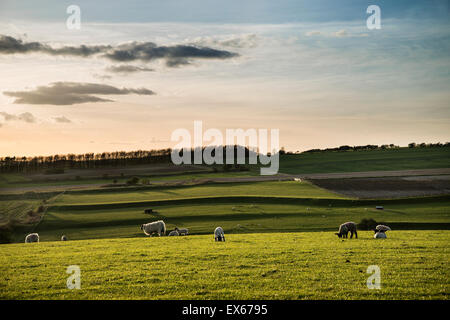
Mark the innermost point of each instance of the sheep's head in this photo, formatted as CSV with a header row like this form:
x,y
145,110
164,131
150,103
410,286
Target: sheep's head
x,y
142,227
338,234
176,229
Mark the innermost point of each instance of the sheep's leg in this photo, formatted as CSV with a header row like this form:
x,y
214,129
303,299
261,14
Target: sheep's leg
x,y
356,235
351,234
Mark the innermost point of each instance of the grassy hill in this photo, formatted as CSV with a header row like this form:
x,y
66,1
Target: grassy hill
x,y
367,160
314,265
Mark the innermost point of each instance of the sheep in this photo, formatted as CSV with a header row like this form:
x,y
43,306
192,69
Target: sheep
x,y
218,234
158,227
345,228
32,237
380,235
182,231
63,238
381,228
173,233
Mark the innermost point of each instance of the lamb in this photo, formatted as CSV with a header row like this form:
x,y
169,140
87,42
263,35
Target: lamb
x,y
63,238
380,235
158,227
173,233
345,228
182,231
32,237
218,234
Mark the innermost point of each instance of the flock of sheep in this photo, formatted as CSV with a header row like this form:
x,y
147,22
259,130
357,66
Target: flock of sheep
x,y
159,228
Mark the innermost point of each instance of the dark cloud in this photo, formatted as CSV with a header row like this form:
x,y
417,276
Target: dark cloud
x,y
127,69
62,119
174,56
68,93
10,45
25,117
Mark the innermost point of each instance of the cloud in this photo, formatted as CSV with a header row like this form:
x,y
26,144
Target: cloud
x,y
313,33
175,55
25,117
232,41
127,69
10,45
341,33
101,76
62,119
68,93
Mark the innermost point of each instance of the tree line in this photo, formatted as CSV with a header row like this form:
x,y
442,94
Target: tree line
x,y
378,147
58,163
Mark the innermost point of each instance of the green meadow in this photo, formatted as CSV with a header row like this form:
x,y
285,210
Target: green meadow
x,y
280,236
310,265
373,160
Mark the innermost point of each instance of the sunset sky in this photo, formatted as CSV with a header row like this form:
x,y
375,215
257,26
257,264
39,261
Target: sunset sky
x,y
138,70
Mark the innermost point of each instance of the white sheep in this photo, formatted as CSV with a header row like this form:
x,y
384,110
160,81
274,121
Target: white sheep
x,y
63,237
32,237
382,228
173,233
182,231
219,234
158,227
380,235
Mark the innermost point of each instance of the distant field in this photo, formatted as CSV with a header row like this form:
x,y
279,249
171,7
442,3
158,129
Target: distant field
x,y
238,214
272,188
306,163
374,160
413,264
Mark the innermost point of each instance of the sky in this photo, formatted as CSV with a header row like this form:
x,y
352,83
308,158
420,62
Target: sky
x,y
138,70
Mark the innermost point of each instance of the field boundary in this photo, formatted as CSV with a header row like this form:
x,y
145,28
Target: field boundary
x,y
255,199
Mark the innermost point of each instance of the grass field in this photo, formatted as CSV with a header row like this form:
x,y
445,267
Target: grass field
x,y
286,206
314,265
374,160
319,162
280,236
259,189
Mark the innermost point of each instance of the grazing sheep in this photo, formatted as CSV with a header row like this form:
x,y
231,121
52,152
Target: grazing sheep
x,y
345,228
173,233
218,234
32,237
182,231
63,238
382,228
380,235
158,227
